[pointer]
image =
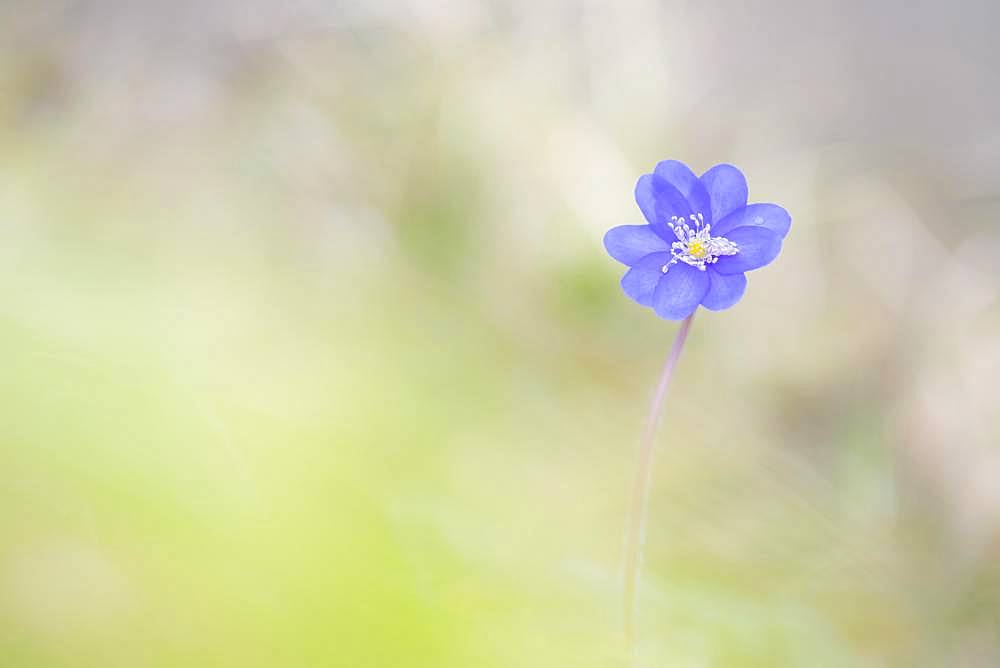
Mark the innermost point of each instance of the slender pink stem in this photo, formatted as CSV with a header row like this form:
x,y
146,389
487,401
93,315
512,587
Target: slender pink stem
x,y
635,539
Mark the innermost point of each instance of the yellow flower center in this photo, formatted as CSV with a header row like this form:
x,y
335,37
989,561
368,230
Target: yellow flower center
x,y
697,249
695,246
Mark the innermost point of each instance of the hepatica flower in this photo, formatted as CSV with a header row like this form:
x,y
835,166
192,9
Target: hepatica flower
x,y
699,240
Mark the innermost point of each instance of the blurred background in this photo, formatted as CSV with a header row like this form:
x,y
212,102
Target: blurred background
x,y
312,355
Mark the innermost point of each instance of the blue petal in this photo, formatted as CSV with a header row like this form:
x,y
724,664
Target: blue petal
x,y
727,190
630,243
681,177
769,216
679,292
723,291
640,281
758,246
659,201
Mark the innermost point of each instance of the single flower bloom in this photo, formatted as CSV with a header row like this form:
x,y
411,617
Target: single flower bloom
x,y
700,239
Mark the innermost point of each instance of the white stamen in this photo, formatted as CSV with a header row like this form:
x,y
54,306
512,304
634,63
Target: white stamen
x,y
709,249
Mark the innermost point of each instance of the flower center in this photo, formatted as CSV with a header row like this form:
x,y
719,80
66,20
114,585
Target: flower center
x,y
695,244
697,249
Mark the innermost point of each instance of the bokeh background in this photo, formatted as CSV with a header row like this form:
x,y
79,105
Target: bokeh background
x,y
312,355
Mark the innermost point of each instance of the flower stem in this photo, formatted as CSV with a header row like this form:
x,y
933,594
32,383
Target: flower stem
x,y
635,539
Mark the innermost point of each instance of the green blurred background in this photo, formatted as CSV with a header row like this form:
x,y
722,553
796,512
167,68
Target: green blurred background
x,y
312,355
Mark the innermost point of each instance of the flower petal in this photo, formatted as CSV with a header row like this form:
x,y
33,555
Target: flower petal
x,y
723,291
769,216
727,190
630,243
640,281
758,246
681,177
659,201
679,292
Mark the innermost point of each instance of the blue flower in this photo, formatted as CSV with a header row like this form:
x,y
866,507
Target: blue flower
x,y
700,238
